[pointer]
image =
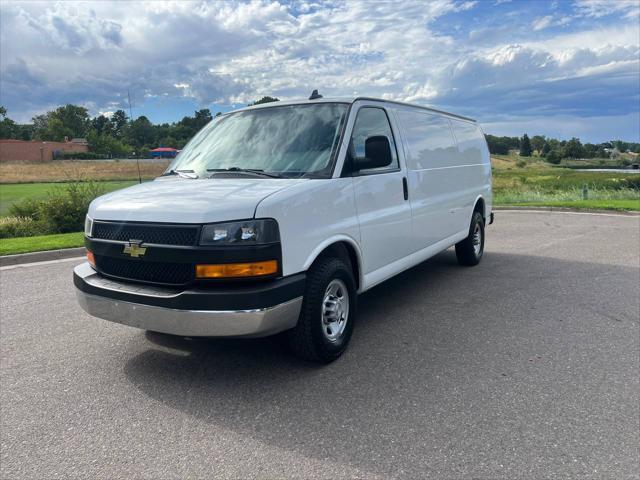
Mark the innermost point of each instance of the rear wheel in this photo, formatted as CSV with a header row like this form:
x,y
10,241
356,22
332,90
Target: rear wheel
x,y
328,311
469,251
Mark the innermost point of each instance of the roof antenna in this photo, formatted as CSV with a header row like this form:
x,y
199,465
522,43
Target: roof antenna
x,y
315,95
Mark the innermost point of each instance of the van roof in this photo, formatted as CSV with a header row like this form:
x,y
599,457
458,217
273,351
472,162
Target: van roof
x,y
350,100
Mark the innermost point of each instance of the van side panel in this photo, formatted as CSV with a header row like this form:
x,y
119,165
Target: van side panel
x,y
310,215
475,182
433,175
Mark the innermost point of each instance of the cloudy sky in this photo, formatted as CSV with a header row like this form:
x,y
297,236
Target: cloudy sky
x,y
561,68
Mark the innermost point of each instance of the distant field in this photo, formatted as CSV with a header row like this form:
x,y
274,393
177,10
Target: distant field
x,y
70,170
532,181
12,193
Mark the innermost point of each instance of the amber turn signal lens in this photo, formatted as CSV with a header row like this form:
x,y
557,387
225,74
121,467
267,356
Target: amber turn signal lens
x,y
91,259
236,270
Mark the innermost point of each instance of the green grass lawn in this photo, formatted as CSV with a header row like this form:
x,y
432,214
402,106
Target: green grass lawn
x,y
620,205
13,193
11,246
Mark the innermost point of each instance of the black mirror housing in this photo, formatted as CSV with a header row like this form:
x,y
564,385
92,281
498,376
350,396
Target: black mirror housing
x,y
377,153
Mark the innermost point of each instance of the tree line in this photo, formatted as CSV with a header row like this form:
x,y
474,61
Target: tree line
x,y
118,135
554,150
115,135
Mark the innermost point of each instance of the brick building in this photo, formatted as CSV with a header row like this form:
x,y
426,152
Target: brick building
x,y
37,151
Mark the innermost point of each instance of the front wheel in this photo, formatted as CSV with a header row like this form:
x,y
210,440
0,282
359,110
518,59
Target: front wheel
x,y
328,311
469,251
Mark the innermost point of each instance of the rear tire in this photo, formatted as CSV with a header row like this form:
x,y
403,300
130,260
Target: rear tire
x,y
328,312
469,251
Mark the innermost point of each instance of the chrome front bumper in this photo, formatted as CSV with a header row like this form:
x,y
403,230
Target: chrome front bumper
x,y
189,323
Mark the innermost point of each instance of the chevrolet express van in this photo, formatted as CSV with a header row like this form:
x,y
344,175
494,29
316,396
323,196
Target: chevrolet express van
x,y
275,217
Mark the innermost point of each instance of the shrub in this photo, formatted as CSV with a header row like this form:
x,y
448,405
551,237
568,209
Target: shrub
x,y
27,208
521,163
554,157
11,227
631,181
63,211
65,208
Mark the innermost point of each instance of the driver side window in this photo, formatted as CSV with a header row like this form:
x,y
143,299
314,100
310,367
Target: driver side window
x,y
371,122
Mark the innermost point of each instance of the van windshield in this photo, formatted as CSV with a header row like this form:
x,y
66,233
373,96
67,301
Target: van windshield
x,y
287,141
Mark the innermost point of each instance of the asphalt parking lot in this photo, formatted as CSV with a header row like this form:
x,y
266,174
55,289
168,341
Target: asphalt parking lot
x,y
526,366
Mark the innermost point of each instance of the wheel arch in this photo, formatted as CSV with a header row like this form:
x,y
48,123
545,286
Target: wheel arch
x,y
480,206
344,247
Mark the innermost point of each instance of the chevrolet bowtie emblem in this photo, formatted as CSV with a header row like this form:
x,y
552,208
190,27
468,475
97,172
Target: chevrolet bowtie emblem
x,y
134,248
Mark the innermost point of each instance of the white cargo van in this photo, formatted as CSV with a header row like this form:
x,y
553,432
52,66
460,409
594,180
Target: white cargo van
x,y
275,217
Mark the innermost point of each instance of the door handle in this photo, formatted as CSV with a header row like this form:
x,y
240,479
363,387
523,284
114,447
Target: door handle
x,y
405,188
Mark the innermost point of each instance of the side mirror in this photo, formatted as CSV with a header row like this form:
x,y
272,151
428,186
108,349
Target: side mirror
x,y
377,153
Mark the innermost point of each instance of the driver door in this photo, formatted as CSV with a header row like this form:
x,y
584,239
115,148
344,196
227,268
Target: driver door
x,y
384,212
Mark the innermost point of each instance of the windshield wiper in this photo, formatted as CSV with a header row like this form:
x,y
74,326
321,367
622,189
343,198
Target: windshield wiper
x,y
255,171
181,173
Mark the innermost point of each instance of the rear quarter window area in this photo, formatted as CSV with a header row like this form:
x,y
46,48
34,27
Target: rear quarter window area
x,y
429,140
470,140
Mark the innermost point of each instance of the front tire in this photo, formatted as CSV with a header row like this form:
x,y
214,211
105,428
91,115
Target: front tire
x,y
469,251
328,312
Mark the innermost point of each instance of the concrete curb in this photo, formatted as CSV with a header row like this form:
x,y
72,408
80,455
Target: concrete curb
x,y
567,209
41,256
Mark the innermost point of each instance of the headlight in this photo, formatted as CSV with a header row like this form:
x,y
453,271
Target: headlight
x,y
88,226
249,232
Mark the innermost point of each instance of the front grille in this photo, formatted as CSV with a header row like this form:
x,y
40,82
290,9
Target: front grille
x,y
144,271
159,234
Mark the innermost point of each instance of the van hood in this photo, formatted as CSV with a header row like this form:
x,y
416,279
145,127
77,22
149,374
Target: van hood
x,y
180,200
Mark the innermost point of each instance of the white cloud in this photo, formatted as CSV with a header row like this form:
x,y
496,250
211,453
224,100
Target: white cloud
x,y
235,52
601,8
542,22
549,21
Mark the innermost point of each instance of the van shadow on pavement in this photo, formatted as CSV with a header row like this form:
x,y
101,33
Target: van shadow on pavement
x,y
448,366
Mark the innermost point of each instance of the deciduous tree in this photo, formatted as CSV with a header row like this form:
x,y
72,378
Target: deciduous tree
x,y
537,142
573,149
8,128
119,122
73,119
